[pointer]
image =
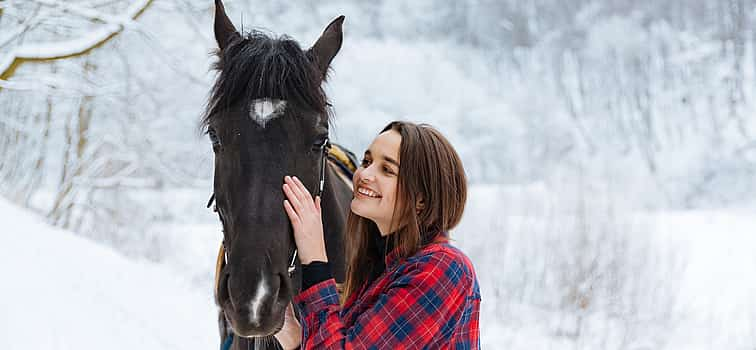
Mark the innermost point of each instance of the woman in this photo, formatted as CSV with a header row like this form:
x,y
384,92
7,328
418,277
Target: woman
x,y
406,286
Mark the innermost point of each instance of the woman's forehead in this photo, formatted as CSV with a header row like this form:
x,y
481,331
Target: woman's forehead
x,y
386,145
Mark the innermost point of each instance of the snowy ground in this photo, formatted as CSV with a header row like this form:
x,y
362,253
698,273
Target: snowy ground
x,y
61,291
711,287
65,292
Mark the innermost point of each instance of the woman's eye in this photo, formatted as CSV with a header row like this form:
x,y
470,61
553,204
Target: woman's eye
x,y
365,162
388,170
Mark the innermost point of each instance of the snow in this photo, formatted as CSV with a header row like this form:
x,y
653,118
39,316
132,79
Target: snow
x,y
65,48
65,292
719,283
704,260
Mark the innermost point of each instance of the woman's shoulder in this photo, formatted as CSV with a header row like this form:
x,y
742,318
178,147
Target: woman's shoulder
x,y
442,261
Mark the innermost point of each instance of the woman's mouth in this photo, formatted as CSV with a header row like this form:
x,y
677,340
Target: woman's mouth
x,y
367,192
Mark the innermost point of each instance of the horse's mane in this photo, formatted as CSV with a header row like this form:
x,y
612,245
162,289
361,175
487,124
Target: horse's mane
x,y
256,66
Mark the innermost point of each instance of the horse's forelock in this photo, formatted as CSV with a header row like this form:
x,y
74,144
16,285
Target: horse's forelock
x,y
256,67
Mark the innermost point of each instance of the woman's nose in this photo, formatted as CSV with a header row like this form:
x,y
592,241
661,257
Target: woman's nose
x,y
365,178
367,175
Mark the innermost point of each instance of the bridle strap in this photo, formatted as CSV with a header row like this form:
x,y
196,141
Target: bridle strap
x,y
324,149
220,262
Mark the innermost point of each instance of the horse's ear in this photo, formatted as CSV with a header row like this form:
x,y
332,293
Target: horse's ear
x,y
224,29
328,45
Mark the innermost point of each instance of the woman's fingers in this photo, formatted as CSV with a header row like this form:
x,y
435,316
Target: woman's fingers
x,y
292,188
302,197
301,191
298,195
292,197
290,336
291,213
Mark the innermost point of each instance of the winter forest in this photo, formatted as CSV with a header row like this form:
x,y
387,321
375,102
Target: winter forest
x,y
610,148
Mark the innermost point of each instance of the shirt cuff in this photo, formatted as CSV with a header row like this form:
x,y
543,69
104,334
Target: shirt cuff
x,y
314,273
319,297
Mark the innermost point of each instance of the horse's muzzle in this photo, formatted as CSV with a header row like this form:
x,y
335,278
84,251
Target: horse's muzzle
x,y
255,309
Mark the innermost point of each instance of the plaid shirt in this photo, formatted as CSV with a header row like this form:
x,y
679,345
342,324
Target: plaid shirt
x,y
428,301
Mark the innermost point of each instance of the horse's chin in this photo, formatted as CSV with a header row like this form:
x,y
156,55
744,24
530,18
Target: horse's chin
x,y
248,329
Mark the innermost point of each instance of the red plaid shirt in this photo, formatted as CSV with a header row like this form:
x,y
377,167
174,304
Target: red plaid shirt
x,y
428,301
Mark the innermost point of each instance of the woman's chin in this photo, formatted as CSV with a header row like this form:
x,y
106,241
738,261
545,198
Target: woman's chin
x,y
354,206
358,208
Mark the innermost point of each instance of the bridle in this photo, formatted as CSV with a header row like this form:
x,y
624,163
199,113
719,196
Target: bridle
x,y
222,259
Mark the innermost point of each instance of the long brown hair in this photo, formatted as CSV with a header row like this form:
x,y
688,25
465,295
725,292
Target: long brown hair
x,y
429,170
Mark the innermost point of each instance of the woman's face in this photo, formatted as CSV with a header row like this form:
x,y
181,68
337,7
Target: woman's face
x,y
375,181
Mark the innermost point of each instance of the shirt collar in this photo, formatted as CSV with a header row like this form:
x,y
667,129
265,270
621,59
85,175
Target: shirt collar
x,y
392,256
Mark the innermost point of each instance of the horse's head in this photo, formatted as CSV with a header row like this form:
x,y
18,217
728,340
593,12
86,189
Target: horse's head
x,y
267,117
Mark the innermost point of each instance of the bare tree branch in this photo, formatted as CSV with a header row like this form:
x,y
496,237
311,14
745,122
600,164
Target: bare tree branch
x,y
41,52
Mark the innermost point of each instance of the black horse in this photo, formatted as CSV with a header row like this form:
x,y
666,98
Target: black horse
x,y
268,117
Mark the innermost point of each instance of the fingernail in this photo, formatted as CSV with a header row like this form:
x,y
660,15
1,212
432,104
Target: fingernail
x,y
295,178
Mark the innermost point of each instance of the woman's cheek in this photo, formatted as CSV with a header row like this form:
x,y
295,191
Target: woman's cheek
x,y
390,203
356,177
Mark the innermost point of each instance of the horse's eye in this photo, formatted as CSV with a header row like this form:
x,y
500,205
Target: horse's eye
x,y
213,138
320,143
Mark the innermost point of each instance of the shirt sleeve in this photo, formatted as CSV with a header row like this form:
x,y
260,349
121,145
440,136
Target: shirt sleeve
x,y
314,273
420,307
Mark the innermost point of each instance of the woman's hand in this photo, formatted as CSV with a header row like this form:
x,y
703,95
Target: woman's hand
x,y
304,214
290,336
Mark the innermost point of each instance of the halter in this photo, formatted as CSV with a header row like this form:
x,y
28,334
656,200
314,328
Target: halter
x,y
223,254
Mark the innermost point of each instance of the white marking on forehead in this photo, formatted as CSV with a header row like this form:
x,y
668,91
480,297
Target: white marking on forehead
x,y
256,304
263,110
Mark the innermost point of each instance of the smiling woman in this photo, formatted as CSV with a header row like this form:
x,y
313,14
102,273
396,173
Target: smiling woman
x,y
406,286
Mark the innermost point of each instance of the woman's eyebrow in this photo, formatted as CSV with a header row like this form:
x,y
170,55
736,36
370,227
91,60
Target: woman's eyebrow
x,y
391,160
386,158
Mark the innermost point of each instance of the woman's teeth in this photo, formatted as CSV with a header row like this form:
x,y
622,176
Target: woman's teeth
x,y
368,193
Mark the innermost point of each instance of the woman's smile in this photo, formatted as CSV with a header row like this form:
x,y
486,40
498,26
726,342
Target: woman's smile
x,y
366,192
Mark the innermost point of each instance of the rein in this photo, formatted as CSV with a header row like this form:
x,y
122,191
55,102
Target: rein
x,y
222,258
